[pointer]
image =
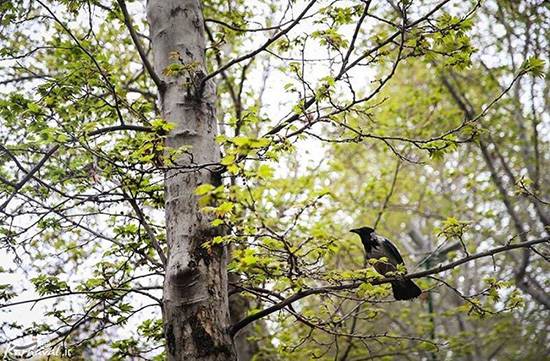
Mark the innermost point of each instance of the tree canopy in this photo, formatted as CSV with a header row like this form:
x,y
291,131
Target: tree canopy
x,y
426,120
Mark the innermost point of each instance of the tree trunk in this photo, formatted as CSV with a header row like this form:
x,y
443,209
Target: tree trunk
x,y
195,303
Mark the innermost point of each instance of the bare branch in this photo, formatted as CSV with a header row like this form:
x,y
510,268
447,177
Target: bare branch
x,y
261,48
148,229
146,63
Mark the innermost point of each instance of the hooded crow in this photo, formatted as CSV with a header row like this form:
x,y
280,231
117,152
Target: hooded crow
x,y
377,247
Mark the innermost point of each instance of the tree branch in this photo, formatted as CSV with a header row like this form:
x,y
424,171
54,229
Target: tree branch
x,y
148,229
320,290
146,63
261,48
30,174
139,290
344,69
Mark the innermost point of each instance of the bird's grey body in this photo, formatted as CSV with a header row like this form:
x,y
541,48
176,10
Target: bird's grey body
x,y
381,247
377,247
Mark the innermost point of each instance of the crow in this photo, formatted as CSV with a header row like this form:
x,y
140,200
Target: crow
x,y
377,247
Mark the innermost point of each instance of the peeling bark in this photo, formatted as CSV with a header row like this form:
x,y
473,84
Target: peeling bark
x,y
195,302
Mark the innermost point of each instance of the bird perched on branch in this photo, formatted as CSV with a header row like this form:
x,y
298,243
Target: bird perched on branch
x,y
377,247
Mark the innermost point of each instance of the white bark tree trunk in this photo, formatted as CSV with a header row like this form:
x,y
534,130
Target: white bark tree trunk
x,y
195,304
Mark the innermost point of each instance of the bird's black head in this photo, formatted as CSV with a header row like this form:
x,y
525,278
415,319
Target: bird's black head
x,y
366,234
363,231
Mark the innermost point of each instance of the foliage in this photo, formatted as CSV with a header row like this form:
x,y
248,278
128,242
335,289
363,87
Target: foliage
x,y
402,115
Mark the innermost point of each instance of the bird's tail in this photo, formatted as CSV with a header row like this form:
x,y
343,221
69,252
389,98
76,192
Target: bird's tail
x,y
405,290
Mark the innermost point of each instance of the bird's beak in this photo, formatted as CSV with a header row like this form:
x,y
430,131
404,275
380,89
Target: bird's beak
x,y
354,231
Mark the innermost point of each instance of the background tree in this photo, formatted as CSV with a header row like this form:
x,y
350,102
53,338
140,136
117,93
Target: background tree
x,y
425,119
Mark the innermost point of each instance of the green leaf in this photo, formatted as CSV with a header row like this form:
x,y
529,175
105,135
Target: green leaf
x,y
534,66
233,169
34,108
224,208
216,222
228,159
204,189
241,141
265,171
